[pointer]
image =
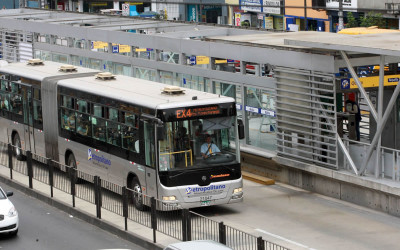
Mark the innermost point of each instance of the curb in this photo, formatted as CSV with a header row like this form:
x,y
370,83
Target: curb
x,y
257,178
109,227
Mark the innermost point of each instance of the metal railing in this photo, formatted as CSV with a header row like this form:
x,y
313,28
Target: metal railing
x,y
155,214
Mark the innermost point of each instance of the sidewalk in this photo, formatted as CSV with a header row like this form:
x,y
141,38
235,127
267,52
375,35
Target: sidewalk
x,y
113,223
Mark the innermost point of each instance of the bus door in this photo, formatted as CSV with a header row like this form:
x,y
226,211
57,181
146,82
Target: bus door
x,y
148,144
27,113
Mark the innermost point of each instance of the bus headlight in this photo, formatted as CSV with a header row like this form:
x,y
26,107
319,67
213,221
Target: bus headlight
x,y
169,198
237,193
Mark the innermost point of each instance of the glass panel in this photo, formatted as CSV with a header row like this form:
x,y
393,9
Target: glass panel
x,y
68,119
99,128
98,110
130,138
4,101
4,85
197,143
113,114
130,119
149,144
82,106
83,124
37,111
68,102
260,106
113,133
16,104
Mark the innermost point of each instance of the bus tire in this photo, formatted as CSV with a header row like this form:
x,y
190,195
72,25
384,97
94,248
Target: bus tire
x,y
137,194
71,162
16,142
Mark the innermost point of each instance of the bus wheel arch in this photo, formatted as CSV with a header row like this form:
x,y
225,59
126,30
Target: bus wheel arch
x,y
136,197
69,157
17,146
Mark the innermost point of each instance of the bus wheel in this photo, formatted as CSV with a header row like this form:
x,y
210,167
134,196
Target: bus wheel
x,y
137,194
71,162
16,141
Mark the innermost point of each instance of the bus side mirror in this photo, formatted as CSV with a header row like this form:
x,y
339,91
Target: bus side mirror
x,y
240,129
160,132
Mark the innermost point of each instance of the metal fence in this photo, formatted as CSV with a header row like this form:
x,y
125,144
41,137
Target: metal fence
x,y
158,215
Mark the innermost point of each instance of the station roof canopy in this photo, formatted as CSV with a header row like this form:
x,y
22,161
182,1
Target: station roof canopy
x,y
306,41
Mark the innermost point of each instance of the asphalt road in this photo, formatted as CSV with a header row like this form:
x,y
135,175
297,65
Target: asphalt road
x,y
44,227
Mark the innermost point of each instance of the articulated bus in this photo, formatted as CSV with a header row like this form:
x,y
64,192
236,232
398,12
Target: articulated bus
x,y
178,145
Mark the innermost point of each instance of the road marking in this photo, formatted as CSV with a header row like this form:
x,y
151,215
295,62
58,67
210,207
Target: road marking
x,y
282,238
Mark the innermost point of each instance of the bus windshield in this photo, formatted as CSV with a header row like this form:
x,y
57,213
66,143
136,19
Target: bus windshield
x,y
197,143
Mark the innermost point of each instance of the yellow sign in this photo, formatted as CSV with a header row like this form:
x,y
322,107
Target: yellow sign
x,y
221,61
373,81
202,60
99,45
140,50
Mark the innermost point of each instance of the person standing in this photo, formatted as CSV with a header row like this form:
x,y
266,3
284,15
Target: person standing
x,y
353,108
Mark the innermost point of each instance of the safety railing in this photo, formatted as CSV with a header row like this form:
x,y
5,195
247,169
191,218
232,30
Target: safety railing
x,y
158,215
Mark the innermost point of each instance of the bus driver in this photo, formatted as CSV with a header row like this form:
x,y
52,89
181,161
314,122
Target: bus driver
x,y
208,148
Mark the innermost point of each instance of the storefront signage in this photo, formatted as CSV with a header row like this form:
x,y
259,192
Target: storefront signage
x,y
251,5
237,19
272,7
269,23
347,4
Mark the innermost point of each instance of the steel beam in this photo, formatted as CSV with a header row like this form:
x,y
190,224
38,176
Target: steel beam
x,y
359,85
346,153
380,112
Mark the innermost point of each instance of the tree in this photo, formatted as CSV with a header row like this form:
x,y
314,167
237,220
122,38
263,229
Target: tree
x,y
351,20
372,19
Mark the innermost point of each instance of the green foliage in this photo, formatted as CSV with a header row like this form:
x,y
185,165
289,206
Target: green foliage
x,y
372,19
351,20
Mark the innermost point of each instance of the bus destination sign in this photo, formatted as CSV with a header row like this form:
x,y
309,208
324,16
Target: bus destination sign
x,y
197,112
187,113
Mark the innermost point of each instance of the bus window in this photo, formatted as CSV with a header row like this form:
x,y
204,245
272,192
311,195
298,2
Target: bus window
x,y
68,119
4,102
67,102
82,106
99,128
15,88
130,138
83,126
4,84
37,111
98,110
16,104
129,119
113,114
113,133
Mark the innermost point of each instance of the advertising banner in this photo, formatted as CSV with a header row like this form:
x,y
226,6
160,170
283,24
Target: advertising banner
x,y
272,7
251,5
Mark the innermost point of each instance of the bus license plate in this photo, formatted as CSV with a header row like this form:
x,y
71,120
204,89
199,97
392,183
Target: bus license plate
x,y
205,203
205,198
